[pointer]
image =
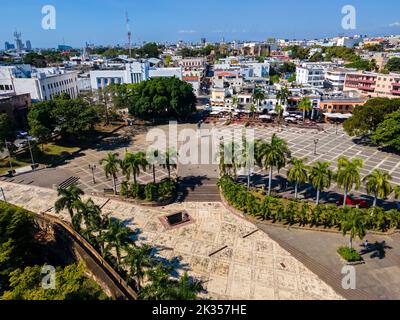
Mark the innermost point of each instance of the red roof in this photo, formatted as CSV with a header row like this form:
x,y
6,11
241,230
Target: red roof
x,y
190,78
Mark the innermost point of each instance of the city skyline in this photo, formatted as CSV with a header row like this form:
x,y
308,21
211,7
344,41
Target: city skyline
x,y
105,24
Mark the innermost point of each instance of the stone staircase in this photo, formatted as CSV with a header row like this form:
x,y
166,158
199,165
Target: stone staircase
x,y
194,190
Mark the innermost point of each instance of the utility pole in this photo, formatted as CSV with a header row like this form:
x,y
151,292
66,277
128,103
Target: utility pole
x,y
128,29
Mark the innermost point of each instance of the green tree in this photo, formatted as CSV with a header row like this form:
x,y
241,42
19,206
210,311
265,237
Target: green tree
x,y
138,260
354,222
133,163
170,160
283,95
68,198
305,106
258,96
378,184
17,240
387,133
118,237
320,177
110,165
298,173
272,155
393,64
42,121
6,130
71,284
161,98
348,175
367,118
74,117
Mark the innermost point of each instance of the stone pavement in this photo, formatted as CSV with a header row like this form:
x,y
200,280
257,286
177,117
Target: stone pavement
x,y
251,265
378,278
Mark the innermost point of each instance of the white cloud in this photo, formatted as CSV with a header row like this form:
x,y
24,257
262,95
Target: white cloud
x,y
395,24
187,31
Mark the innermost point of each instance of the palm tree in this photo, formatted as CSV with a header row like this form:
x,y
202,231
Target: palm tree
x,y
297,173
110,165
258,96
170,160
355,223
320,177
133,163
279,110
138,260
153,159
348,175
271,155
305,105
118,236
283,95
252,110
378,184
396,190
68,199
228,158
246,158
235,102
185,289
89,212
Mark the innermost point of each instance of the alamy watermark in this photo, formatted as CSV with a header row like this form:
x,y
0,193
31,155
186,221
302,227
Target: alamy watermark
x,y
49,21
48,274
349,21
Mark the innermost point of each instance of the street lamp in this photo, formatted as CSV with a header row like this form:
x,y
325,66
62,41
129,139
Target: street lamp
x,y
9,155
315,146
337,127
93,168
30,150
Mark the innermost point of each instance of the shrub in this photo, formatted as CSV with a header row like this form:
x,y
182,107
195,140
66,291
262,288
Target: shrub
x,y
300,212
136,191
151,191
350,255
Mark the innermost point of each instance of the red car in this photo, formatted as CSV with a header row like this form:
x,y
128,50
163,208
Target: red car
x,y
353,202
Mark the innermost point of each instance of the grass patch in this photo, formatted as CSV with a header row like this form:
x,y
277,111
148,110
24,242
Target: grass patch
x,y
5,165
50,154
350,255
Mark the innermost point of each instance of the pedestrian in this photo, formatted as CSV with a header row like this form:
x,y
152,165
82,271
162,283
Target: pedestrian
x,y
366,244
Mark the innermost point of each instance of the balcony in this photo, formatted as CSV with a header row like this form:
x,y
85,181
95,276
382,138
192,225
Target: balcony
x,y
366,88
395,92
396,84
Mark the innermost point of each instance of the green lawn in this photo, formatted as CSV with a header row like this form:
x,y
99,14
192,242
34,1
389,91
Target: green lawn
x,y
51,153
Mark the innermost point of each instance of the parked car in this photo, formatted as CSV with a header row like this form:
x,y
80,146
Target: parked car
x,y
21,134
353,202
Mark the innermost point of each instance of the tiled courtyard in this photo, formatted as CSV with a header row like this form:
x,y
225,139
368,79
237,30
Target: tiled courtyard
x,y
254,267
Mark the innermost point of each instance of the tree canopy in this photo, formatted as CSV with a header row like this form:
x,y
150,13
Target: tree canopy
x,y
6,130
393,64
73,116
161,98
366,118
388,132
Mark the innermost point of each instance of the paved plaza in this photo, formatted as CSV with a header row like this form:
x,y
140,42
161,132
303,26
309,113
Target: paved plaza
x,y
254,267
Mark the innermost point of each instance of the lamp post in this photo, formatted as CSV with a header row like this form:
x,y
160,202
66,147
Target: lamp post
x,y
93,168
337,127
315,146
30,150
9,155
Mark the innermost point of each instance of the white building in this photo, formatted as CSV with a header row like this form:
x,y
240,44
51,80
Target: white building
x,y
40,83
312,73
349,42
335,78
165,73
131,73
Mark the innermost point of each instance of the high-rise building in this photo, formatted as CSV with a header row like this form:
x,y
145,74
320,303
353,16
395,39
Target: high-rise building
x,y
8,46
28,45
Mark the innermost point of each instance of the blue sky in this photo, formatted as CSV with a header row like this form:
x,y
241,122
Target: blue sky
x,y
102,21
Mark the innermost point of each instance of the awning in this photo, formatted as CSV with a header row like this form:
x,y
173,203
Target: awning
x,y
338,115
